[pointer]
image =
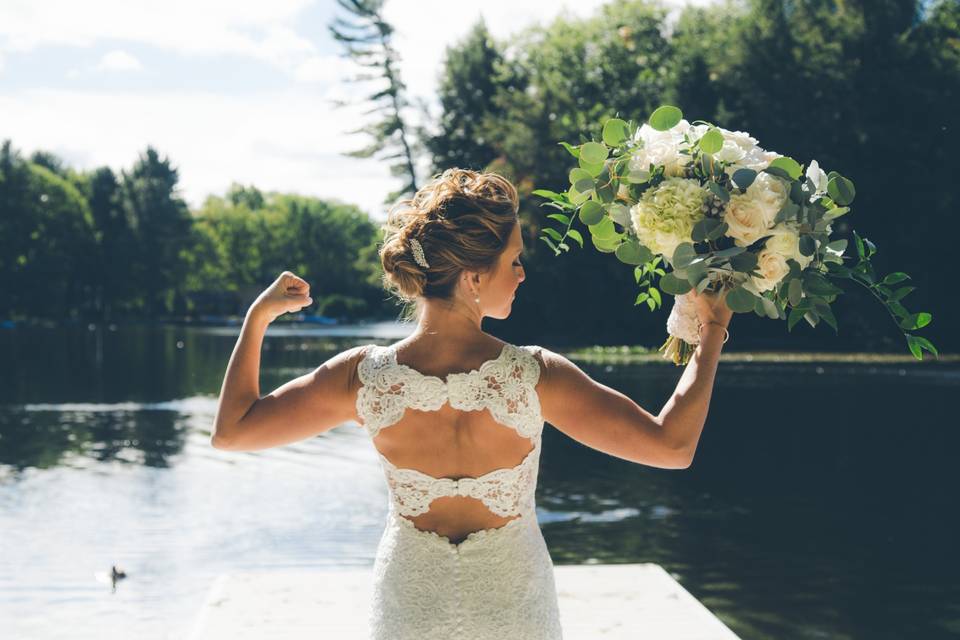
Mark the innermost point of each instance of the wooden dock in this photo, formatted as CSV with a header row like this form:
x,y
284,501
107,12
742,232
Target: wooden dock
x,y
607,601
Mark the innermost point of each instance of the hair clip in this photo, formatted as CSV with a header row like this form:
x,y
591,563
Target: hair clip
x,y
418,253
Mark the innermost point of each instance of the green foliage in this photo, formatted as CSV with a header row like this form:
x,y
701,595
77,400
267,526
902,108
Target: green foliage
x,y
107,248
473,76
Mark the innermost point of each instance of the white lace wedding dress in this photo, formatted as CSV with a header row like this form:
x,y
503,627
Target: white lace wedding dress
x,y
498,583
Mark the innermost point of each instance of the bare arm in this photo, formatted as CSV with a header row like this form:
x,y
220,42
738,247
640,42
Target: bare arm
x,y
299,409
606,420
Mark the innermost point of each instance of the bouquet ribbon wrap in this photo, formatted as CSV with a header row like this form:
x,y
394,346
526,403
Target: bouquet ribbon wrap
x,y
683,329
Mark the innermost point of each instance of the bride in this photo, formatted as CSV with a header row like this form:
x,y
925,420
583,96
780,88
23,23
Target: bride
x,y
456,417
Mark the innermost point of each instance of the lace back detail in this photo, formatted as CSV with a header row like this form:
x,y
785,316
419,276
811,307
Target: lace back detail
x,y
504,385
506,492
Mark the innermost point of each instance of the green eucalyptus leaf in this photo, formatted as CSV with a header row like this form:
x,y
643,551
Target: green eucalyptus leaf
x,y
712,141
795,292
703,227
604,244
673,285
593,169
789,210
695,272
591,212
576,197
615,132
665,118
632,252
585,186
577,174
729,252
740,300
683,255
559,217
744,262
593,153
718,231
604,229
841,190
743,178
788,165
808,245
779,172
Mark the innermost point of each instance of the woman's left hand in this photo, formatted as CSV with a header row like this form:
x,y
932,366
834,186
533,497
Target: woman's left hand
x,y
288,293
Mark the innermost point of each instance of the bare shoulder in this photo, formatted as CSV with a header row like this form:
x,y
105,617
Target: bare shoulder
x,y
599,416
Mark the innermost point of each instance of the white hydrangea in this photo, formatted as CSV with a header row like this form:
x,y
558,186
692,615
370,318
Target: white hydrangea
x,y
664,216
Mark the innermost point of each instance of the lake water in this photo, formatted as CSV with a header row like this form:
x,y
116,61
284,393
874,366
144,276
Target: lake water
x,y
821,503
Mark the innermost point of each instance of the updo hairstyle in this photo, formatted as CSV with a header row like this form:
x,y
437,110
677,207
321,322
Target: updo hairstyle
x,y
462,219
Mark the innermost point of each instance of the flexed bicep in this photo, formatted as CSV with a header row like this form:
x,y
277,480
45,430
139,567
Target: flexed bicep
x,y
603,418
298,409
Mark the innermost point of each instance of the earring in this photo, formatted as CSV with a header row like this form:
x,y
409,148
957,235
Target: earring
x,y
477,299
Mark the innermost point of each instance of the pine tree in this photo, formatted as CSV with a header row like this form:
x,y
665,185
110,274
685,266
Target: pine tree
x,y
366,38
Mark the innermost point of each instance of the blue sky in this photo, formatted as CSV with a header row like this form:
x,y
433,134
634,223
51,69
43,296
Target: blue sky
x,y
230,90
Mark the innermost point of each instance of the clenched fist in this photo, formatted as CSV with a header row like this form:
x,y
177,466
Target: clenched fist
x,y
288,293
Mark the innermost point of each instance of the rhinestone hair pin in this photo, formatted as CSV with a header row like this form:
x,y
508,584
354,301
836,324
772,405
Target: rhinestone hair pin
x,y
418,253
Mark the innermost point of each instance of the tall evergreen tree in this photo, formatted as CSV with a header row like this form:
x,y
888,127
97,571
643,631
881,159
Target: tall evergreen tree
x,y
367,39
468,90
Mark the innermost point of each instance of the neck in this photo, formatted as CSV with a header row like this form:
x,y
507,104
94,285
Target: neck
x,y
452,320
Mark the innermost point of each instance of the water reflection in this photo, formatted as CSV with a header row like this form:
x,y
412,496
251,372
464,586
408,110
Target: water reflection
x,y
820,503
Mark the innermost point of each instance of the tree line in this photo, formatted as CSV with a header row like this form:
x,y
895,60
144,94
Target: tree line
x,y
96,246
866,88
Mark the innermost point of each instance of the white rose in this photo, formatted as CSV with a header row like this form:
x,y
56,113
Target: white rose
x,y
661,148
786,242
746,219
772,267
736,146
750,215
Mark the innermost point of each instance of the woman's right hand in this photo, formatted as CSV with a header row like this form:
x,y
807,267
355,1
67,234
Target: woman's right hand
x,y
712,307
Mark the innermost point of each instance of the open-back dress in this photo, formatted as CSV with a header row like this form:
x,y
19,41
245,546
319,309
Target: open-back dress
x,y
497,583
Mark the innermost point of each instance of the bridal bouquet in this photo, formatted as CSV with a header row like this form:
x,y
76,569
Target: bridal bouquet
x,y
721,213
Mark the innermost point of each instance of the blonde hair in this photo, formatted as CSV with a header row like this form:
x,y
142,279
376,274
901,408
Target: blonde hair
x,y
462,219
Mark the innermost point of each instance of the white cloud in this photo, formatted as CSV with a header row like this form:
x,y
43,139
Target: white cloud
x,y
119,61
328,70
261,30
286,140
